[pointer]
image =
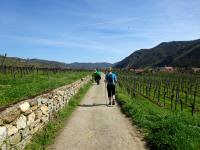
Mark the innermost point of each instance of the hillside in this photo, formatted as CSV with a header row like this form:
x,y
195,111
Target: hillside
x,y
176,53
14,61
10,61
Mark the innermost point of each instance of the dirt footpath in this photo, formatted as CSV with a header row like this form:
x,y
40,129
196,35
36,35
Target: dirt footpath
x,y
94,126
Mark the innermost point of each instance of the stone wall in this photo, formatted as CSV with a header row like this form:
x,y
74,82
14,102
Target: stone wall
x,y
19,122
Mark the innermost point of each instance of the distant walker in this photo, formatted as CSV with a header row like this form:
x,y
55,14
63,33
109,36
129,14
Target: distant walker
x,y
97,76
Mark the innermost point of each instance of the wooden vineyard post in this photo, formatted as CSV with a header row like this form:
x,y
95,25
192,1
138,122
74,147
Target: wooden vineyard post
x,y
194,101
172,97
177,97
37,70
140,87
146,90
137,89
150,90
14,72
21,72
159,95
164,96
186,96
167,91
3,64
143,85
154,94
134,87
181,104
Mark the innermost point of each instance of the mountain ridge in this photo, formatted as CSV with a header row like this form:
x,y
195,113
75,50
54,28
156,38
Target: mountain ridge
x,y
164,54
15,61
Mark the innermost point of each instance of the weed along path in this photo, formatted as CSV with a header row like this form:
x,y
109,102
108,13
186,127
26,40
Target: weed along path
x,y
94,126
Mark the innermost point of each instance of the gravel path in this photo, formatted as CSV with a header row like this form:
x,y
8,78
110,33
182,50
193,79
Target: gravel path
x,y
94,126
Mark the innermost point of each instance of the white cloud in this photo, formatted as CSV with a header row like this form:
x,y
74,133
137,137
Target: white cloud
x,y
74,42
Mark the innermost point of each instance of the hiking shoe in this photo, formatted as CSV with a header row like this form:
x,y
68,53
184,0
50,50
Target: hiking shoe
x,y
113,102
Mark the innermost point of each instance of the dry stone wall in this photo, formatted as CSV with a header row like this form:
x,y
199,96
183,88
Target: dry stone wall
x,y
18,123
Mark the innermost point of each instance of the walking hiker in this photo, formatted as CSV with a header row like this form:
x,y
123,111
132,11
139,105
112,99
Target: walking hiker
x,y
97,76
111,80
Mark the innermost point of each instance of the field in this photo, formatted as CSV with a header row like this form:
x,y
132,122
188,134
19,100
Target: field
x,y
167,123
21,85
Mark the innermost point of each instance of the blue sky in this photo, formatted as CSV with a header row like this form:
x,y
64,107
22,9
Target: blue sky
x,y
93,30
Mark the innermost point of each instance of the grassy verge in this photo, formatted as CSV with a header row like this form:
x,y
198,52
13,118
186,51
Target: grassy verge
x,y
44,138
163,129
13,90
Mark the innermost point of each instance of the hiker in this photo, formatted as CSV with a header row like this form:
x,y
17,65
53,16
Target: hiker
x,y
111,80
97,76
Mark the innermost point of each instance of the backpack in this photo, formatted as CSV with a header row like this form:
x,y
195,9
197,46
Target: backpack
x,y
110,79
98,73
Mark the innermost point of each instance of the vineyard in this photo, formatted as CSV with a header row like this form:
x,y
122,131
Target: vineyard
x,y
18,82
170,91
165,106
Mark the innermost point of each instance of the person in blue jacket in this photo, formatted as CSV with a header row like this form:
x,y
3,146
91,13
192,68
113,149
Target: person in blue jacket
x,y
111,80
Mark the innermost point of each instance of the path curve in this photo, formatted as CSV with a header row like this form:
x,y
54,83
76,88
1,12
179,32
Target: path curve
x,y
94,126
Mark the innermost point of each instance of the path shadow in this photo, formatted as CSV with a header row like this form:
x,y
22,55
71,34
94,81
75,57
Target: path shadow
x,y
91,105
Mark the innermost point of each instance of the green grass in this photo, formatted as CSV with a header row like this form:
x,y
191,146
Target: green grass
x,y
43,139
13,90
163,129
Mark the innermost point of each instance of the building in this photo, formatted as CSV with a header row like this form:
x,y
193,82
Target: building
x,y
195,70
167,69
139,70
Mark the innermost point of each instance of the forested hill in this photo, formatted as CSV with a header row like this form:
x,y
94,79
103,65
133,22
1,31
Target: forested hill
x,y
14,61
176,53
